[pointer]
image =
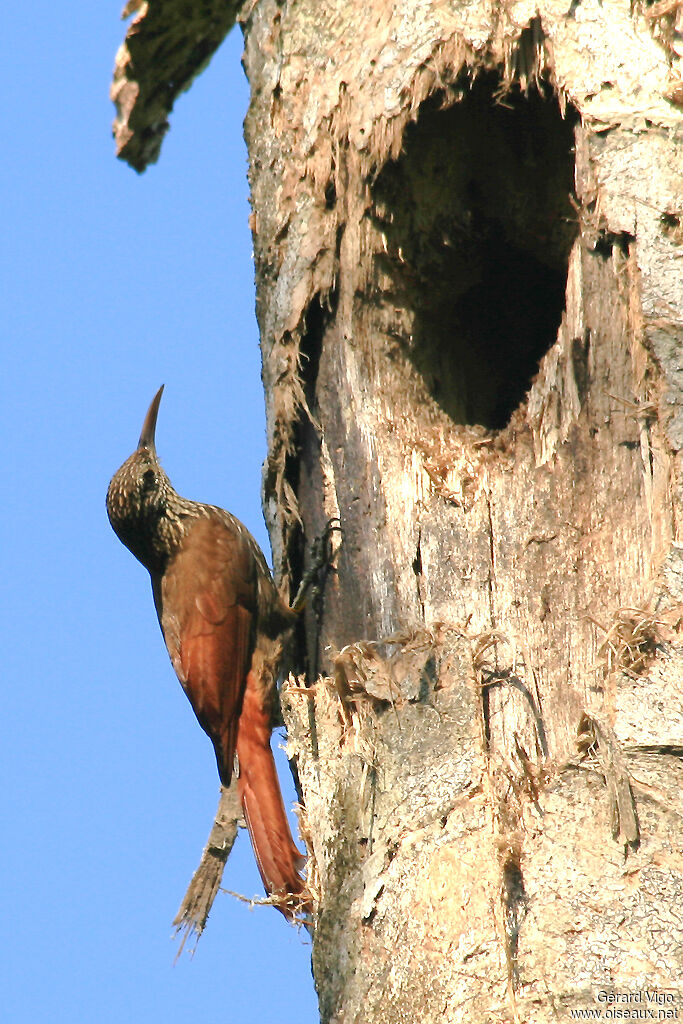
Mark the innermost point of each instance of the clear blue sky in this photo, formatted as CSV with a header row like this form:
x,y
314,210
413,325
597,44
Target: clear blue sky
x,y
112,284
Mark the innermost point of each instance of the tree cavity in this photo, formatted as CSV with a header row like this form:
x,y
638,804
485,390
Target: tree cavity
x,y
477,223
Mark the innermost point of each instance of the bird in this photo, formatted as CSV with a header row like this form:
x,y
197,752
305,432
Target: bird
x,y
224,623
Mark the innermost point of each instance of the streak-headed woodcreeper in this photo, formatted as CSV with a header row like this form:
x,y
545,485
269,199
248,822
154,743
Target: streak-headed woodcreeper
x,y
223,621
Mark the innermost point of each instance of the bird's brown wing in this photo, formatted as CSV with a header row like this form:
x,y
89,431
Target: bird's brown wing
x,y
207,609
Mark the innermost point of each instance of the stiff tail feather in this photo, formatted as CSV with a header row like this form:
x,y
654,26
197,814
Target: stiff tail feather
x,y
279,861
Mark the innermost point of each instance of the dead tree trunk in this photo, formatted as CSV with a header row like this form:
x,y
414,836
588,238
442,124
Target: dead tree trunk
x,y
467,226
468,240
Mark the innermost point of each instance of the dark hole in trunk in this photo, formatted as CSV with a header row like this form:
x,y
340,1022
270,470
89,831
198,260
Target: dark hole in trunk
x,y
478,225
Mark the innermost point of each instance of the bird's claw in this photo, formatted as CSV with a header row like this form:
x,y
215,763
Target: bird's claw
x,y
313,580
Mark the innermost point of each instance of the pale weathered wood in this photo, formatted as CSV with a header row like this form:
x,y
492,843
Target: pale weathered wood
x,y
167,44
195,908
445,194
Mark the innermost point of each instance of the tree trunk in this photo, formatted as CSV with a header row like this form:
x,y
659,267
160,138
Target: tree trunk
x,y
467,230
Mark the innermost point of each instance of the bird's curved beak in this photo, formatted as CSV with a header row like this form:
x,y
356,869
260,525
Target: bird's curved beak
x,y
150,425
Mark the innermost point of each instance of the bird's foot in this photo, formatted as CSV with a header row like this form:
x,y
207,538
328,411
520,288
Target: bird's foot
x,y
323,553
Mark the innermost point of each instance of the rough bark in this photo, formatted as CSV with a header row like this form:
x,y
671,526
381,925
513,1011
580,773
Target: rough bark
x,y
468,242
467,226
195,908
167,44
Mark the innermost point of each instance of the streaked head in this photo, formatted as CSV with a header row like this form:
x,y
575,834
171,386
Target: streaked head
x,y
139,492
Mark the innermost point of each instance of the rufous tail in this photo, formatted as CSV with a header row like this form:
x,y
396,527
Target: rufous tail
x,y
278,859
